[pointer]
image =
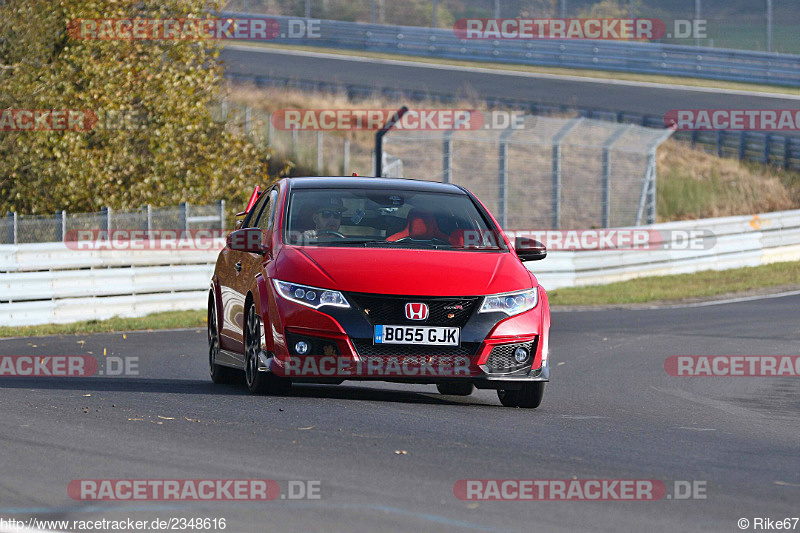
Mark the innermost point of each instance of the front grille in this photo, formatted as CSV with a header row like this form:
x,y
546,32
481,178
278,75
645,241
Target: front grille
x,y
390,310
366,347
501,359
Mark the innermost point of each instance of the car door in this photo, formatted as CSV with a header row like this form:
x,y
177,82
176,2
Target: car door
x,y
236,280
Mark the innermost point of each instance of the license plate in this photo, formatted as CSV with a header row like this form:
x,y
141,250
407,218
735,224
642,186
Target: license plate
x,y
435,336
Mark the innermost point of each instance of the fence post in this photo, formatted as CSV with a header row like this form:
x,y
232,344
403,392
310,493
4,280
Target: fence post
x,y
767,147
247,116
61,222
742,144
12,227
447,157
787,152
149,218
320,162
606,183
183,215
719,143
105,220
502,178
221,207
270,130
556,194
346,162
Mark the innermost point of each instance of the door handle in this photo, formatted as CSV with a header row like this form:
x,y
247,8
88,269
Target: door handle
x,y
238,266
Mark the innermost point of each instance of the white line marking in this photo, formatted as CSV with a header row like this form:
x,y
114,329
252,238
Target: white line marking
x,y
520,74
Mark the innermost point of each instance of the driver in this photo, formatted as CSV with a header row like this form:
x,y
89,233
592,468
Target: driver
x,y
327,218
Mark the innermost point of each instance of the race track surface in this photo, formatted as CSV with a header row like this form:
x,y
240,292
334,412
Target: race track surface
x,y
645,99
611,412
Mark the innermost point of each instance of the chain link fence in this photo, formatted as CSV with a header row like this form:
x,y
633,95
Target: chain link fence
x,y
557,173
26,229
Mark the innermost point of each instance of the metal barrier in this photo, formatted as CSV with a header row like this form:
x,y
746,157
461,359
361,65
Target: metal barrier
x,y
50,283
645,58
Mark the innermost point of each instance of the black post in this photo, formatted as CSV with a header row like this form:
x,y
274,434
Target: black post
x,y
105,221
379,138
59,226
182,215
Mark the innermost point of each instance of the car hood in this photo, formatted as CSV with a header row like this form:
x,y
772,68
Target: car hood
x,y
403,271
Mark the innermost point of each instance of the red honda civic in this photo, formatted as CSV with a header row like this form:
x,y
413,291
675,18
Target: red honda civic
x,y
355,278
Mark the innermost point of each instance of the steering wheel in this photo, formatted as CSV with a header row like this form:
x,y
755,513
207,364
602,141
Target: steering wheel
x,y
332,233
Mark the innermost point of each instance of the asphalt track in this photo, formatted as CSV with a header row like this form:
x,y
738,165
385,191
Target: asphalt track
x,y
611,412
630,97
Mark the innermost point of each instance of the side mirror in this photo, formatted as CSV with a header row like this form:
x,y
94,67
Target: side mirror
x,y
529,249
250,240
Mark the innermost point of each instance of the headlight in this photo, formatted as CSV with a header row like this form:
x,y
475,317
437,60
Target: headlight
x,y
512,303
310,296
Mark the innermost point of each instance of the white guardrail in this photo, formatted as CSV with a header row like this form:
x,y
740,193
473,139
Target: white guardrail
x,y
50,283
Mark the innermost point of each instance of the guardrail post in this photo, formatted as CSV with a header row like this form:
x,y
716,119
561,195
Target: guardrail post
x,y
221,207
767,147
447,156
183,215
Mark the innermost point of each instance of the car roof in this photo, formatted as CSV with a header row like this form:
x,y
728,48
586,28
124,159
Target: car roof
x,y
359,182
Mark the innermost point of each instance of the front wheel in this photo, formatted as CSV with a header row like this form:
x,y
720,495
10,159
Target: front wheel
x,y
259,382
529,396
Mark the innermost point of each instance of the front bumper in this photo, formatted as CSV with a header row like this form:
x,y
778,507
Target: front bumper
x,y
343,349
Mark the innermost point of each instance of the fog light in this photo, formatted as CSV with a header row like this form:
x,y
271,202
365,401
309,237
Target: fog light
x,y
301,347
520,354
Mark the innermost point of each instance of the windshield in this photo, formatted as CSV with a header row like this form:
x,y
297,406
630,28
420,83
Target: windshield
x,y
388,218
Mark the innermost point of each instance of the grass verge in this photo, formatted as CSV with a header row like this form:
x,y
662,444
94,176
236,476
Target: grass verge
x,y
683,287
165,320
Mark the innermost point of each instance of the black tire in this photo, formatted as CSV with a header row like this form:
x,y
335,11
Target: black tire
x,y
455,388
528,397
259,382
218,373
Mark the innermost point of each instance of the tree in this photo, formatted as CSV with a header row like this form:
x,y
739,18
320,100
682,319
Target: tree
x,y
171,151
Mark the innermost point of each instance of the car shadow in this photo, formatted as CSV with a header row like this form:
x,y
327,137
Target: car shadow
x,y
207,388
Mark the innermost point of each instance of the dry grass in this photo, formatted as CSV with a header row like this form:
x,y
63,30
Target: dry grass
x,y
694,184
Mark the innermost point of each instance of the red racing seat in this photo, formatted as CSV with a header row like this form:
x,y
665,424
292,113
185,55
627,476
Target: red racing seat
x,y
420,225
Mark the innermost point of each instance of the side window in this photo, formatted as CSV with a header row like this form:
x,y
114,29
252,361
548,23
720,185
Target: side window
x,y
268,216
263,211
252,217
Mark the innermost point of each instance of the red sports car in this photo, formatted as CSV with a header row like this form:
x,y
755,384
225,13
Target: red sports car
x,y
333,279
